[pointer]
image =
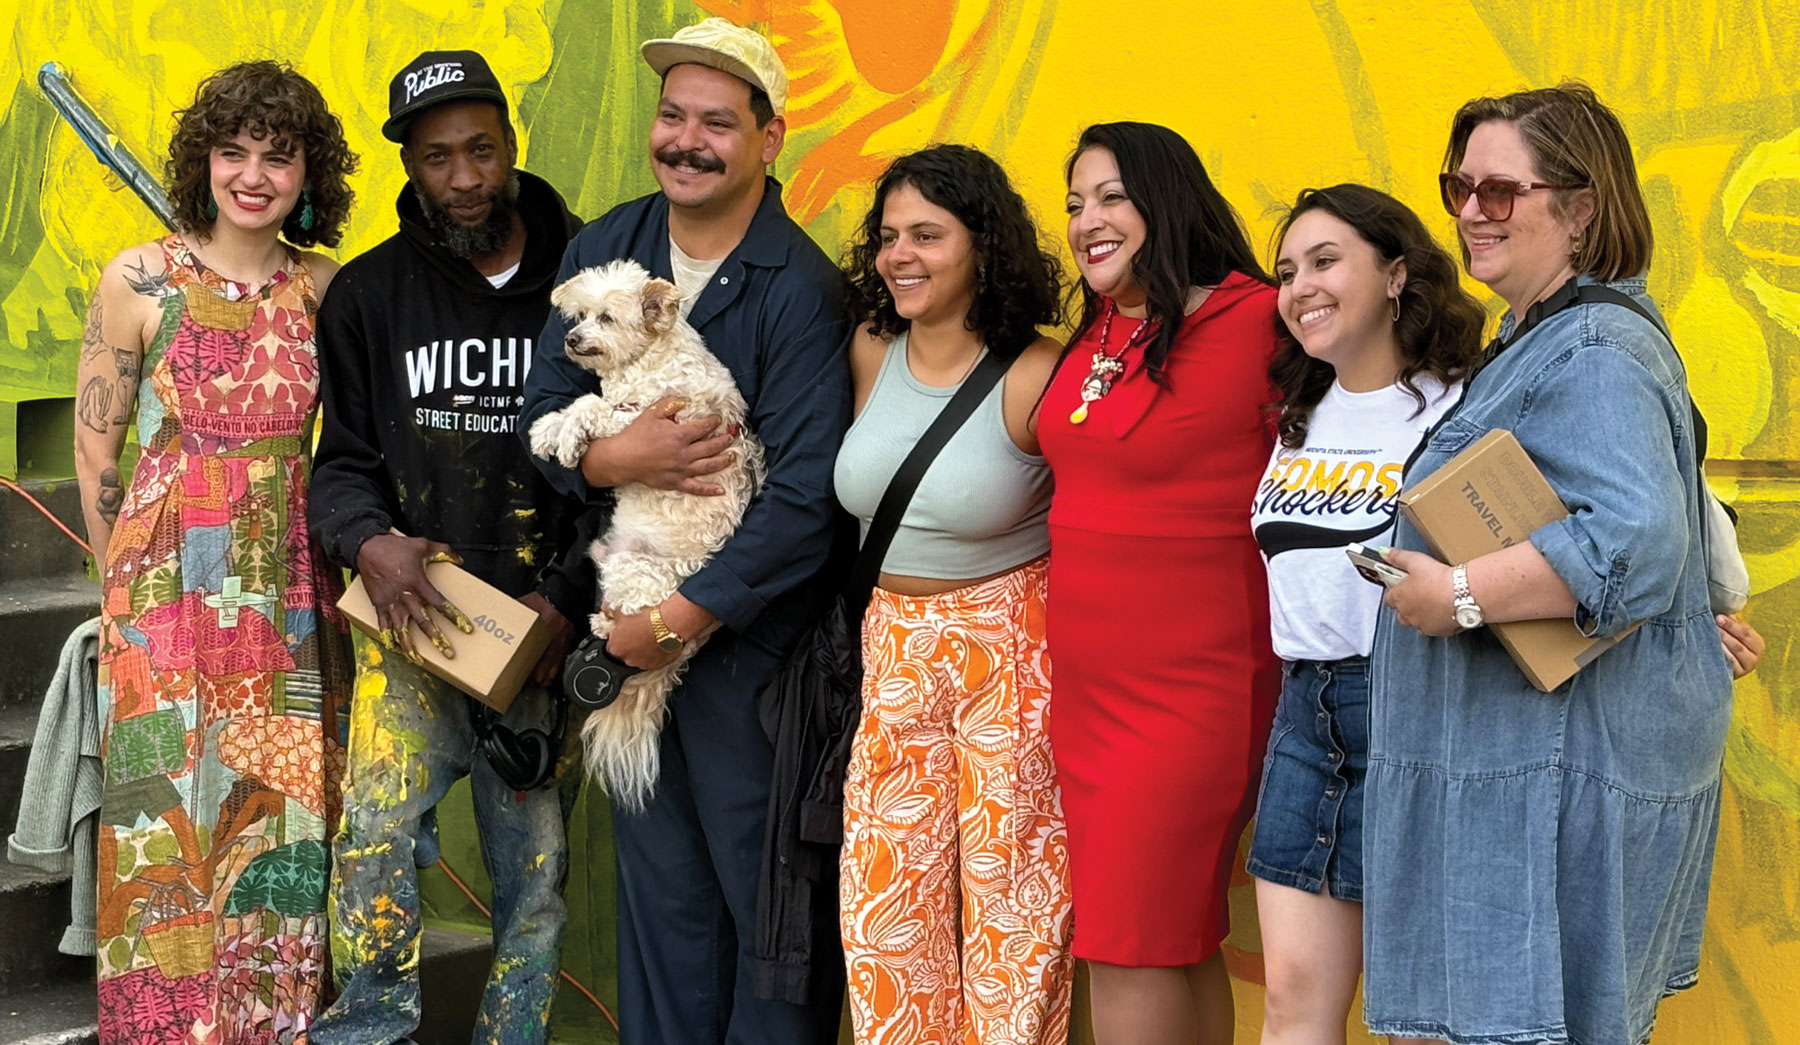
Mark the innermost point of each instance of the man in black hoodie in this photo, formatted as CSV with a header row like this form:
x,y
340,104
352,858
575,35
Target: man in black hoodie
x,y
424,344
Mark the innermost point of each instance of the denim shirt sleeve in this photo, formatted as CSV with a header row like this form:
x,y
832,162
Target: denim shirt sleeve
x,y
1603,440
555,382
800,415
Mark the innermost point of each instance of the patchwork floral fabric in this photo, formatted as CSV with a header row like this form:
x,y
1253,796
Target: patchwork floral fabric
x,y
225,668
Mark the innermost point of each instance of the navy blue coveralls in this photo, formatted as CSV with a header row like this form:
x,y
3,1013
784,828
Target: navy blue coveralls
x,y
774,314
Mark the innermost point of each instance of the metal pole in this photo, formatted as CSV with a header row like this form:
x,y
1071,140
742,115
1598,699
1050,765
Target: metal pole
x,y
53,80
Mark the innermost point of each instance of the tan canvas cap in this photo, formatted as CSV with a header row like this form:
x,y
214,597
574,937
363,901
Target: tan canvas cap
x,y
744,53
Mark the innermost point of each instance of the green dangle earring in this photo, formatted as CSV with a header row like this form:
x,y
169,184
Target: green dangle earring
x,y
306,210
212,207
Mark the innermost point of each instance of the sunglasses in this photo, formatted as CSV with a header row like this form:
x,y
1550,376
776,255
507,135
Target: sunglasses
x,y
1494,195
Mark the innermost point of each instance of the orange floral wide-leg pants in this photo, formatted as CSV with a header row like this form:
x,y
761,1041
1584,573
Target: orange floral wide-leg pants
x,y
955,888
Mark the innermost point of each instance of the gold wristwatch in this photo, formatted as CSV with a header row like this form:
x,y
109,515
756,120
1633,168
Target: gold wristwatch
x,y
666,639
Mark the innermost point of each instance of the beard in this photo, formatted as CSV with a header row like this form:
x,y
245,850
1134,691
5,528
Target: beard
x,y
468,241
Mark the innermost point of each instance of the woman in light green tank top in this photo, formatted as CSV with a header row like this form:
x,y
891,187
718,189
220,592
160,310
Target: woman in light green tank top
x,y
955,889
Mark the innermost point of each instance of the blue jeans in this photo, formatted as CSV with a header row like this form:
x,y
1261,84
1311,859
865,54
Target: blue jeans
x,y
411,737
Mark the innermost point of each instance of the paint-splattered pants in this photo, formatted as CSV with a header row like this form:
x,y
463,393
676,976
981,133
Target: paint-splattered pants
x,y
411,737
955,894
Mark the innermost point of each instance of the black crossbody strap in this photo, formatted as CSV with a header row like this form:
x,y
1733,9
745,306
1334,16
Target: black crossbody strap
x,y
1608,295
900,488
1567,296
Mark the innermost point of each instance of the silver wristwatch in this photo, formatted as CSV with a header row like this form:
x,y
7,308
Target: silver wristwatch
x,y
1468,615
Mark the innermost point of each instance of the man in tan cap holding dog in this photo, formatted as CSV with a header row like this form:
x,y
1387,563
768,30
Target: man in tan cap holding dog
x,y
769,303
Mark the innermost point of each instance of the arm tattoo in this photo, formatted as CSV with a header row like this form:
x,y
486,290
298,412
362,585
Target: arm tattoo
x,y
93,407
93,342
110,497
143,281
129,365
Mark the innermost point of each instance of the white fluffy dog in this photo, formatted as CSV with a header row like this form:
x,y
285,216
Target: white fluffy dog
x,y
627,329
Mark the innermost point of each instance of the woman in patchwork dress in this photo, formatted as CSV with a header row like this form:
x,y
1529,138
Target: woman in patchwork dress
x,y
224,664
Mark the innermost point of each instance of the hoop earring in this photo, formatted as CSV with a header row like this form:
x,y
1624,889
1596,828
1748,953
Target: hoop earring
x,y
306,209
1395,301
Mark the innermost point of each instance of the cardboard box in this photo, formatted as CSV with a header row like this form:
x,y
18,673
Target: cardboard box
x,y
491,664
1488,497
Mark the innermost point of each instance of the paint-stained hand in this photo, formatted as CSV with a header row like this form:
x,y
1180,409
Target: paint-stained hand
x,y
1424,600
393,573
562,633
1743,645
661,452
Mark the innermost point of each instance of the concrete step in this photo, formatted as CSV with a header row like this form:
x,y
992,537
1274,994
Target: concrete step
x,y
453,963
453,975
34,908
30,545
62,1015
36,617
18,724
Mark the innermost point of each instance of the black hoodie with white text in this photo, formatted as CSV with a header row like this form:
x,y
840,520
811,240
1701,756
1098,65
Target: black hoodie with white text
x,y
422,373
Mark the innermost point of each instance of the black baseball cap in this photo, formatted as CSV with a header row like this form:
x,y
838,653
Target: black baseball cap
x,y
434,78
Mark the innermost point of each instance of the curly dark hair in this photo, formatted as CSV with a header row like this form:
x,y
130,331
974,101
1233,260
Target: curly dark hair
x,y
1192,236
1439,329
1019,286
266,100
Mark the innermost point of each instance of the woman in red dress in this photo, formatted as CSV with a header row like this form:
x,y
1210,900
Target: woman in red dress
x,y
1158,610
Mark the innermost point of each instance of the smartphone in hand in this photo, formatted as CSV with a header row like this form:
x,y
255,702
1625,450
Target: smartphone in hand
x,y
1372,564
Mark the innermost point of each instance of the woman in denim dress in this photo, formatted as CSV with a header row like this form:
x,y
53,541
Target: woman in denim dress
x,y
1536,864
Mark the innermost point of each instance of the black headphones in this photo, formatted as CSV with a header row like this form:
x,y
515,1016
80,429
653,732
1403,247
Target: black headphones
x,y
523,759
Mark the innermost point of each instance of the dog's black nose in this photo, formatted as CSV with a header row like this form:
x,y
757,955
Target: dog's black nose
x,y
572,340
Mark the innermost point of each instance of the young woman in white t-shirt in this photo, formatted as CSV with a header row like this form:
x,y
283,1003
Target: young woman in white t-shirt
x,y
1379,338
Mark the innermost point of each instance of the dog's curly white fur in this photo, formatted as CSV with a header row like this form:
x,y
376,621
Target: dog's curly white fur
x,y
627,329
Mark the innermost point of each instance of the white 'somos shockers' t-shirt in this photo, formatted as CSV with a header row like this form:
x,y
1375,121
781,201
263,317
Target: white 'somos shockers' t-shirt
x,y
1338,488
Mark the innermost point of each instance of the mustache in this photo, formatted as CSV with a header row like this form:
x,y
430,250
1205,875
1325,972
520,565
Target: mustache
x,y
690,158
473,198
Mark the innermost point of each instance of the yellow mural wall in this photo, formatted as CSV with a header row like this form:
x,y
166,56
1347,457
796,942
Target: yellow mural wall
x,y
1275,94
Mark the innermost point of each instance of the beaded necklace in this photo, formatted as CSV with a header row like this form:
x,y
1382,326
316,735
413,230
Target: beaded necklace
x,y
1107,367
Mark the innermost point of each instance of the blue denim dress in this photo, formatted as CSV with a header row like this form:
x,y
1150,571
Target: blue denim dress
x,y
1536,864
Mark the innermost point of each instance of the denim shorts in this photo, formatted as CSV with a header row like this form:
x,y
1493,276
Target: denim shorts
x,y
1309,814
